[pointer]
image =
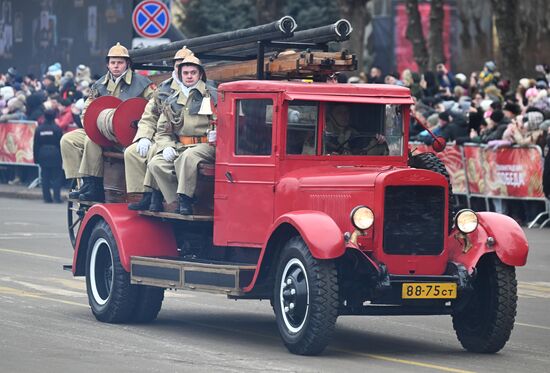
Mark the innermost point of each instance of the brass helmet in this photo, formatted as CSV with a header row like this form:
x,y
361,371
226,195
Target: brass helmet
x,y
183,53
118,50
192,60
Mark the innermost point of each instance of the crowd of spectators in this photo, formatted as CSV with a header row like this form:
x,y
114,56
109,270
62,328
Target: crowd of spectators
x,y
483,108
26,97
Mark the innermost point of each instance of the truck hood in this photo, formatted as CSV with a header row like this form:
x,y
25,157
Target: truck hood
x,y
338,177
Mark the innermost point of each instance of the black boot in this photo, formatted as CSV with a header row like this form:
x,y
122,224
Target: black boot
x,y
156,201
141,205
185,205
96,192
86,183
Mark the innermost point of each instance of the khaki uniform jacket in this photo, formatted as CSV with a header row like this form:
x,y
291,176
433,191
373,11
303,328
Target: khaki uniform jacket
x,y
115,89
147,126
184,112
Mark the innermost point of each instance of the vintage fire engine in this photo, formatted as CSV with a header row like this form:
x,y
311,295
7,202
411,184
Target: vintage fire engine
x,y
363,227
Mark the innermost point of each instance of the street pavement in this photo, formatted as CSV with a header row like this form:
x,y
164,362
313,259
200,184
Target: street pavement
x,y
46,324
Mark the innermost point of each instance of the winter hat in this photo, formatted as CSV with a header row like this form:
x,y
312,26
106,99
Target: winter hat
x,y
490,65
533,119
531,92
50,115
541,84
7,92
445,116
497,116
460,78
524,82
55,69
512,108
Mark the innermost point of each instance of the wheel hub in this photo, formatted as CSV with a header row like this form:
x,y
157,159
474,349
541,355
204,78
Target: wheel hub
x,y
294,295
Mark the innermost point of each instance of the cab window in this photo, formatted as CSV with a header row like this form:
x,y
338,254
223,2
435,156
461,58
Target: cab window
x,y
301,136
253,127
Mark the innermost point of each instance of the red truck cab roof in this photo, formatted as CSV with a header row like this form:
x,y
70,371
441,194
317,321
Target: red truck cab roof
x,y
375,93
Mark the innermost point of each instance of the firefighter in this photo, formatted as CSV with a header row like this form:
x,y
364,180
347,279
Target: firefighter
x,y
181,137
143,149
81,156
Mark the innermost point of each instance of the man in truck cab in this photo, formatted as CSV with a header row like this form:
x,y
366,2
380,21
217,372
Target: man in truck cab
x,y
181,137
81,156
348,131
143,148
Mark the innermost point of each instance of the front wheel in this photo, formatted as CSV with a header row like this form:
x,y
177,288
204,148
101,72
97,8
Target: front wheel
x,y
305,299
111,296
485,324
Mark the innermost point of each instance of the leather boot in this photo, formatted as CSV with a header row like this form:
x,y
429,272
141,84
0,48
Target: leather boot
x,y
156,201
143,204
95,193
185,205
83,188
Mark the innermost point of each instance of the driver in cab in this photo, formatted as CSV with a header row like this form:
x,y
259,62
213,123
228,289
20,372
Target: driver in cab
x,y
340,138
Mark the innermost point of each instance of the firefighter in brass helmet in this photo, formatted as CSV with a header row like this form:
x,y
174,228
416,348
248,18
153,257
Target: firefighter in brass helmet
x,y
143,148
81,156
181,136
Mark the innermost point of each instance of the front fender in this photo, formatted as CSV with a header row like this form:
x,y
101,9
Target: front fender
x,y
321,234
510,243
135,235
323,237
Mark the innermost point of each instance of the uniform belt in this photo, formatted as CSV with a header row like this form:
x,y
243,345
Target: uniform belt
x,y
190,140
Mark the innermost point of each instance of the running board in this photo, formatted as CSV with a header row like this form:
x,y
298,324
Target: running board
x,y
176,273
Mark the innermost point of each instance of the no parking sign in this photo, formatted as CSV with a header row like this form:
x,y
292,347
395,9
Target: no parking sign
x,y
151,19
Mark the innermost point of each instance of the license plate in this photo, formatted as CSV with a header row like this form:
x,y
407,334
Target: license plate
x,y
428,290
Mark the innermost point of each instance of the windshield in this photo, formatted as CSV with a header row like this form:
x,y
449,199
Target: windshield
x,y
347,129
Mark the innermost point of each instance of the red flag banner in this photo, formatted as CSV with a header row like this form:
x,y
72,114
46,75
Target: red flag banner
x,y
16,139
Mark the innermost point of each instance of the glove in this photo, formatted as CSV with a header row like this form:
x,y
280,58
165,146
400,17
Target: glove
x,y
169,154
143,146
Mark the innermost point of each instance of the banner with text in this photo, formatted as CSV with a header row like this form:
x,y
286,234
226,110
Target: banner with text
x,y
514,172
16,139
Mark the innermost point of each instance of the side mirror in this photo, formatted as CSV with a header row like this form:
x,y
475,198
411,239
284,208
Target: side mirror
x,y
439,144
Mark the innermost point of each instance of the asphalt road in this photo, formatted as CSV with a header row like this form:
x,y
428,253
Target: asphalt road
x,y
46,324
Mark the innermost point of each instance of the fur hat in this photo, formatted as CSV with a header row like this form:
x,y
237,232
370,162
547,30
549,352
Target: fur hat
x,y
533,119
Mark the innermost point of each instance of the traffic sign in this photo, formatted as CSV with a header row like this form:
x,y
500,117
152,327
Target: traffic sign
x,y
151,19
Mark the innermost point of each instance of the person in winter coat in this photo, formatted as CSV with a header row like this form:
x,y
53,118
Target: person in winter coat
x,y
47,153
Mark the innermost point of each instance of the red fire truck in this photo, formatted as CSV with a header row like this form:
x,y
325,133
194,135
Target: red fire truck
x,y
322,230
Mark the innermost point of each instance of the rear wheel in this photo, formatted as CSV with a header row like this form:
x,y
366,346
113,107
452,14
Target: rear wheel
x,y
148,304
110,294
305,299
485,324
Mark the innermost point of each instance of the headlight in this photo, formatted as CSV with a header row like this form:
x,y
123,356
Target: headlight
x,y
466,221
362,217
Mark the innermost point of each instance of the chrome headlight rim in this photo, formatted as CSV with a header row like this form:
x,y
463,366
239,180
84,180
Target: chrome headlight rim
x,y
468,226
354,217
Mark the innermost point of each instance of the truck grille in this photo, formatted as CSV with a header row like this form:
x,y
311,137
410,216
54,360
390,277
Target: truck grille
x,y
414,220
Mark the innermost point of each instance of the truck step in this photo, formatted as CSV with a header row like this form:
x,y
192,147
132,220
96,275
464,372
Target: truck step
x,y
173,215
181,273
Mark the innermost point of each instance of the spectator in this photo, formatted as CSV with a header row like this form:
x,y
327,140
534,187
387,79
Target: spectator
x,y
35,109
375,76
65,119
14,110
47,153
445,78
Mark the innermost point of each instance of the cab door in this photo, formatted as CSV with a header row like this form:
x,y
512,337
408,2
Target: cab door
x,y
245,169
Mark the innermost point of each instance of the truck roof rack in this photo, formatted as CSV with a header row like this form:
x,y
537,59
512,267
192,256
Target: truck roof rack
x,y
259,52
